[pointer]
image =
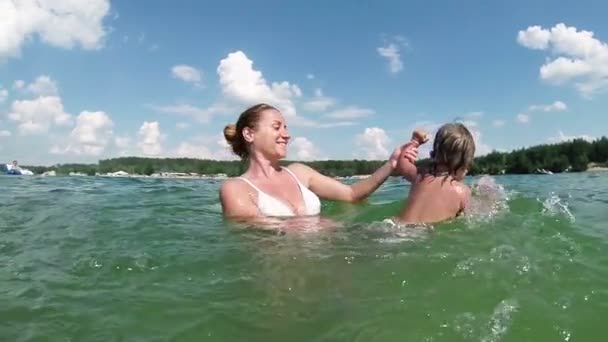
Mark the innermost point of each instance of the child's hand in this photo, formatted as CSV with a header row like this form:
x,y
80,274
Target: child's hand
x,y
408,151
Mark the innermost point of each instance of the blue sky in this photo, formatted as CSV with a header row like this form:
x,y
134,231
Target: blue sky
x,y
99,79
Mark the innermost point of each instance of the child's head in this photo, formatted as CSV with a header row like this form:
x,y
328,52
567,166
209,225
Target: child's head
x,y
453,149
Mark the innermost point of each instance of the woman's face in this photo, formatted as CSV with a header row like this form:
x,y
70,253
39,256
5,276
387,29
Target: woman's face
x,y
270,137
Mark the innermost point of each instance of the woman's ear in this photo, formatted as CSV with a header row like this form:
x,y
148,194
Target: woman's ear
x,y
248,134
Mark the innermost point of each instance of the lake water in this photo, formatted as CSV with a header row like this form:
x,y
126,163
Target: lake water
x,y
120,259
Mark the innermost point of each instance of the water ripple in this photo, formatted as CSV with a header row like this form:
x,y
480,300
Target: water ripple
x,y
91,258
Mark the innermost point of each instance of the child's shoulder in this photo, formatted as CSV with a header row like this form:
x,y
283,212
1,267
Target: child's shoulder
x,y
461,187
464,194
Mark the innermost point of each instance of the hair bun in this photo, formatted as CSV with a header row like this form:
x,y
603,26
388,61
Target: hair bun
x,y
230,132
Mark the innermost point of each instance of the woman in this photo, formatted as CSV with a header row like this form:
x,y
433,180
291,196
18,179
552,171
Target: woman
x,y
266,189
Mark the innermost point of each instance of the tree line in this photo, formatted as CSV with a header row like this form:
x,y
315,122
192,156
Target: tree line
x,y
148,166
571,156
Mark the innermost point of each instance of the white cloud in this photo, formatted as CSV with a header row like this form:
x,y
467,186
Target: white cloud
x,y
481,148
90,136
310,76
60,23
188,150
3,95
36,116
242,83
43,85
590,87
522,118
206,147
304,149
562,69
319,102
557,106
182,125
561,137
300,121
534,38
351,112
498,123
224,151
373,142
150,138
392,54
391,51
186,73
18,84
203,115
5,133
582,58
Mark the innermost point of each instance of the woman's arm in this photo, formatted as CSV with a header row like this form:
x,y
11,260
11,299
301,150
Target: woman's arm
x,y
329,188
332,189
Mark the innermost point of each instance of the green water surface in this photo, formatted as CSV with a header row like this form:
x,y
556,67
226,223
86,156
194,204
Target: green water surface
x,y
120,259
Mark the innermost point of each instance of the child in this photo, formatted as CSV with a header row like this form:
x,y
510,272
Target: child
x,y
438,193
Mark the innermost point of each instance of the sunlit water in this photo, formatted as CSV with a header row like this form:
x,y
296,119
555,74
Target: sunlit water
x,y
101,259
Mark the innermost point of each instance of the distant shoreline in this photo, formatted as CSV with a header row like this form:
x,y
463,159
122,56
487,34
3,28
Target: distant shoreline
x,y
597,168
170,175
593,167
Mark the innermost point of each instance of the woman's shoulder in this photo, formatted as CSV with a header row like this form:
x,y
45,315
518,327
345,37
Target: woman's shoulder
x,y
295,166
232,184
302,171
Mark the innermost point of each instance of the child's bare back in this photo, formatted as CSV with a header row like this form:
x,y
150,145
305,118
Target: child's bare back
x,y
434,199
438,193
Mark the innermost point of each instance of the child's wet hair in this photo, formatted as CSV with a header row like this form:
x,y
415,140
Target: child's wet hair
x,y
454,148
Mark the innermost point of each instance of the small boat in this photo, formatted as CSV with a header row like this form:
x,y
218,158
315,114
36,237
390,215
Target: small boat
x,y
543,172
11,170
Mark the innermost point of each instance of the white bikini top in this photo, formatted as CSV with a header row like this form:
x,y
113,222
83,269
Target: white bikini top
x,y
271,206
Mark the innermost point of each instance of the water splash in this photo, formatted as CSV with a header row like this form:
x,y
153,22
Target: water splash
x,y
389,231
503,253
501,320
467,267
466,325
556,206
563,333
488,200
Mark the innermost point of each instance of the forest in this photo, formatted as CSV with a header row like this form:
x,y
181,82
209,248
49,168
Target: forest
x,y
571,156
